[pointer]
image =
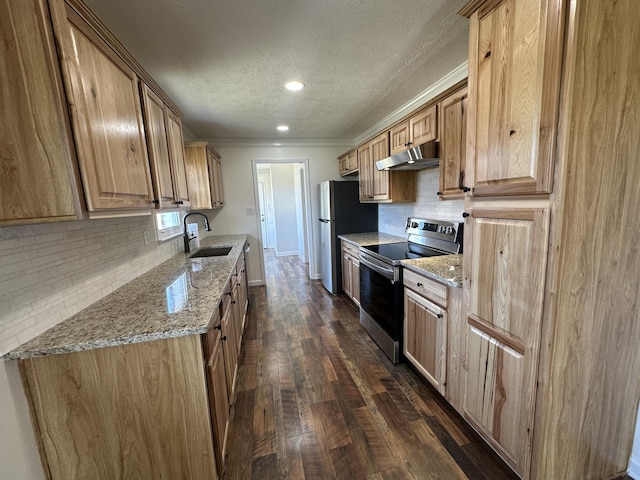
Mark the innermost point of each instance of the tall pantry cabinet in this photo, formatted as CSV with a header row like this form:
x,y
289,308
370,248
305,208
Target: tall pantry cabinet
x,y
550,271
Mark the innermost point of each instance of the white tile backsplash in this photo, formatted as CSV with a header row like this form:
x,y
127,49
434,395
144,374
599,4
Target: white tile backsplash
x,y
49,272
392,217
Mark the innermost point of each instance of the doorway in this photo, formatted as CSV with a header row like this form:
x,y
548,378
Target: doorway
x,y
282,202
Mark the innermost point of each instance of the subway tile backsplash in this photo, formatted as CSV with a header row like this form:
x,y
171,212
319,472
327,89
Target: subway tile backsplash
x,y
391,217
49,272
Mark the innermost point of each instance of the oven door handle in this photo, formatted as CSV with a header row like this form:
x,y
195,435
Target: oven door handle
x,y
376,267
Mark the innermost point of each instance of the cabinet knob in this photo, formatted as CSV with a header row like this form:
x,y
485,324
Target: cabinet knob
x,y
419,284
438,193
465,215
439,315
179,202
466,189
155,201
224,339
228,293
218,327
233,301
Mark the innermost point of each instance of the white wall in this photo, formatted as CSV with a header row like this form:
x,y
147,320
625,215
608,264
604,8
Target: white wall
x,y
239,193
634,463
284,209
391,217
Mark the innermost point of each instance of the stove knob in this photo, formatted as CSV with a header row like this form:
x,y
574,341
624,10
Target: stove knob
x,y
414,224
449,231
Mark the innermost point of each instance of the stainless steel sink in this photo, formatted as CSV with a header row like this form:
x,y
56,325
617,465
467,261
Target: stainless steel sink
x,y
212,252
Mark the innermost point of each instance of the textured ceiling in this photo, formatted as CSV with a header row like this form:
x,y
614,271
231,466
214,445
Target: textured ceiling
x,y
224,62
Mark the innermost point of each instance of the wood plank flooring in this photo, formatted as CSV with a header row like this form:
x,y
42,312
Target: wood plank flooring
x,y
317,399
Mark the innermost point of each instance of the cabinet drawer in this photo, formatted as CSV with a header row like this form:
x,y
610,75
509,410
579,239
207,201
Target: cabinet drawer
x,y
432,290
351,249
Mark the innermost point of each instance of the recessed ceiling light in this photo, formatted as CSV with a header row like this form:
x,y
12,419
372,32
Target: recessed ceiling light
x,y
283,128
294,86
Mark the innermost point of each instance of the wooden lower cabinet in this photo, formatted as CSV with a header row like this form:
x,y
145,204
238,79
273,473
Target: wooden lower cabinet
x,y
157,409
218,400
351,271
425,338
505,268
132,411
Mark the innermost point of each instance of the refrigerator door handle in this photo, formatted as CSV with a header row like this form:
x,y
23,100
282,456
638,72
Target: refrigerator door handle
x,y
323,220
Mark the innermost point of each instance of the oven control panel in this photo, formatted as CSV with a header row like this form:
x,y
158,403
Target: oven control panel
x,y
418,228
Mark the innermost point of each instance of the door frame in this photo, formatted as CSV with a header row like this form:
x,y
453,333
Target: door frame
x,y
307,208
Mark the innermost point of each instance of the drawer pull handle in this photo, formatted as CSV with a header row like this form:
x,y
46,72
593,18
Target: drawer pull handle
x,y
419,284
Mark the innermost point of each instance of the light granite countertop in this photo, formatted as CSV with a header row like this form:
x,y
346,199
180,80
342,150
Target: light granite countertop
x,y
370,238
174,299
446,269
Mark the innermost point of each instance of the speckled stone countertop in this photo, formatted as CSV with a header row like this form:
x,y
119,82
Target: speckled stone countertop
x,y
174,299
446,269
370,238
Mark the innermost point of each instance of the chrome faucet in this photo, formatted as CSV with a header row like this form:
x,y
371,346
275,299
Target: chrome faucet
x,y
187,240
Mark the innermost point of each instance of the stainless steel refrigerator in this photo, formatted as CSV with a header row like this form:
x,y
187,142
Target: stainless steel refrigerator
x,y
340,212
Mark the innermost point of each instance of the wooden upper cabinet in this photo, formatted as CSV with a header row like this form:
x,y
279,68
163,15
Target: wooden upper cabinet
x,y
383,186
157,143
399,138
104,100
176,151
380,178
515,53
504,278
423,126
215,178
37,158
348,163
366,173
453,131
204,175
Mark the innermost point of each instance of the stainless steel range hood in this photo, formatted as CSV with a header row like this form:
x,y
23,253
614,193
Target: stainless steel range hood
x,y
426,155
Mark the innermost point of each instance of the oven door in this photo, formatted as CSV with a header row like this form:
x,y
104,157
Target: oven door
x,y
381,294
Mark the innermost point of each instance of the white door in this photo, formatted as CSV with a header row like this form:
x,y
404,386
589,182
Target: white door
x,y
263,223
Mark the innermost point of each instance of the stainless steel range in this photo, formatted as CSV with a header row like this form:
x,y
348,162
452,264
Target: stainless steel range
x,y
381,292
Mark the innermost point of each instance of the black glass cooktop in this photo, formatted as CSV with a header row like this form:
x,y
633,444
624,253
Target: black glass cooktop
x,y
402,250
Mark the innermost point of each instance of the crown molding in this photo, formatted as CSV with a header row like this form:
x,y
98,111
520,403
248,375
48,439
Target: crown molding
x,y
278,143
456,75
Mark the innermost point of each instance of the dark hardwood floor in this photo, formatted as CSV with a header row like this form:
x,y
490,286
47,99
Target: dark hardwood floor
x,y
317,399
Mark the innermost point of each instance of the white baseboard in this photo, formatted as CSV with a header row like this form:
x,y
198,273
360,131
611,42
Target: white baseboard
x,y
287,254
317,276
634,468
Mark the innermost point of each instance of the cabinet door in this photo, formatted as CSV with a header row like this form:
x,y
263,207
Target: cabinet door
x,y
504,277
229,348
366,173
107,120
424,126
453,114
176,150
425,338
499,396
380,178
36,150
355,280
158,147
514,74
342,165
346,274
352,161
218,404
216,181
399,138
198,179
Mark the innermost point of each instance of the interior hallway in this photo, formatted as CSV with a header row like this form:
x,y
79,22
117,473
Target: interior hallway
x,y
317,399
